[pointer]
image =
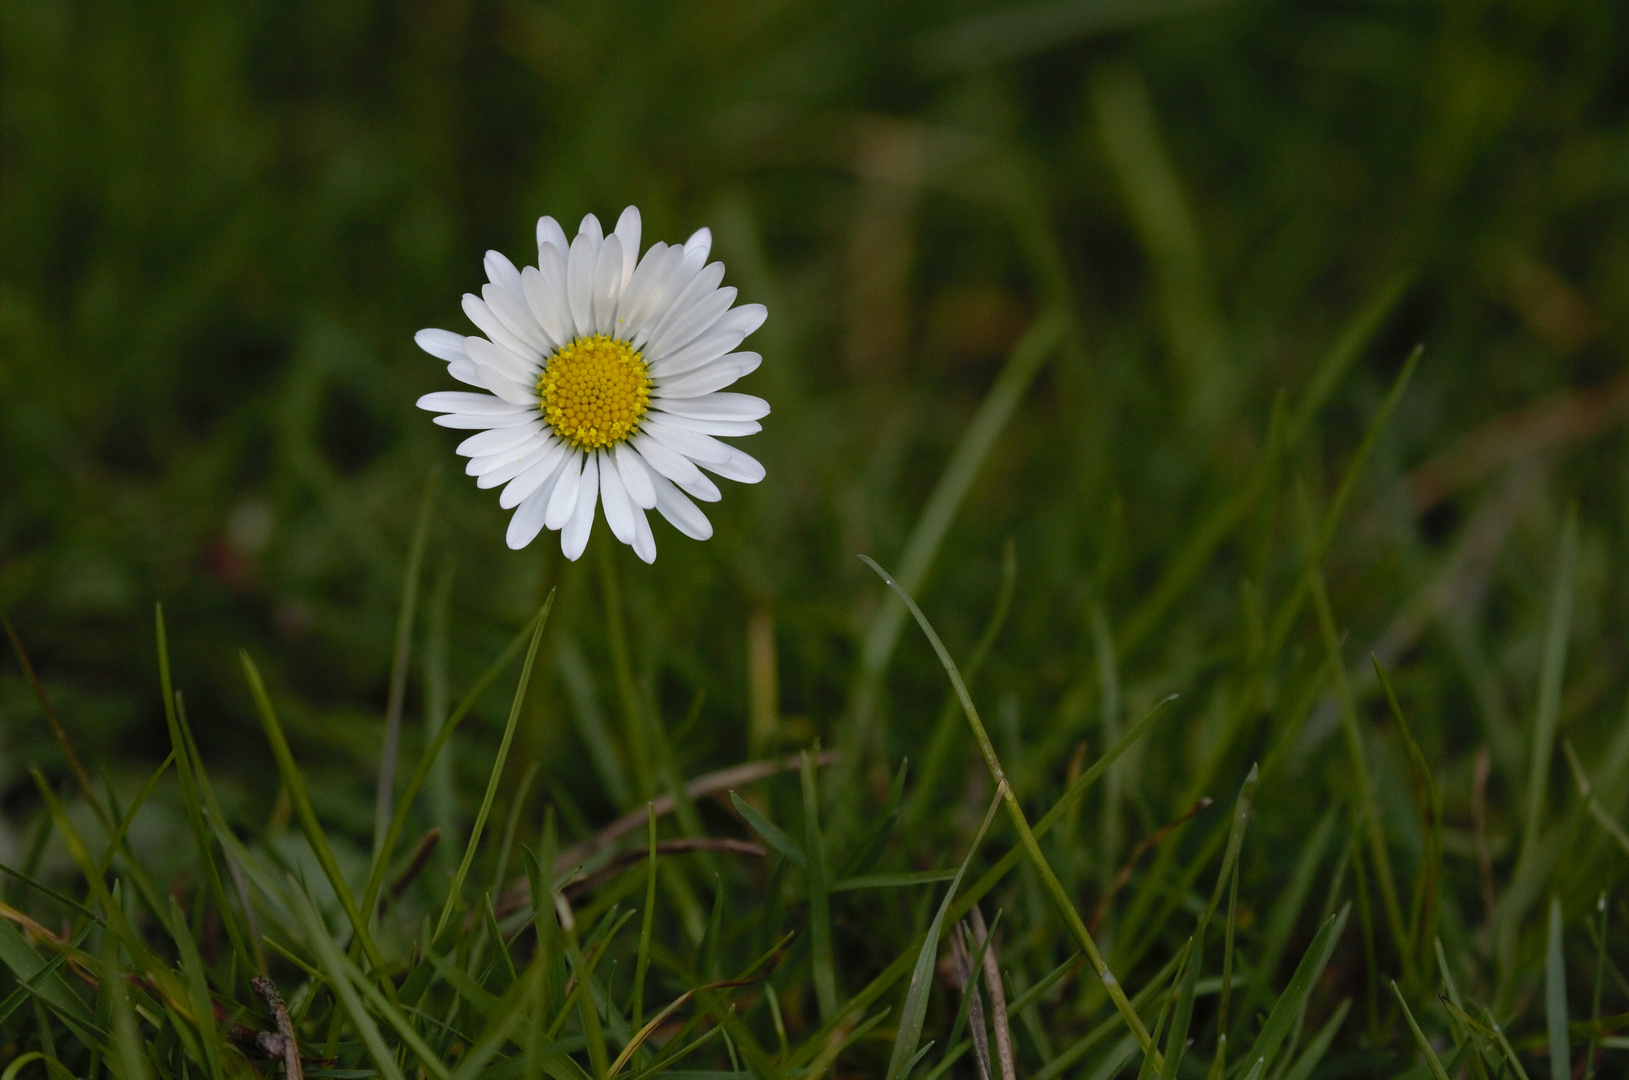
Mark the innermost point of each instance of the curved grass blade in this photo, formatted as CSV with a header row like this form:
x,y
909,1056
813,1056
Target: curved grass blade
x,y
915,1011
1431,1058
332,964
773,834
495,777
1555,995
294,784
1049,878
1294,997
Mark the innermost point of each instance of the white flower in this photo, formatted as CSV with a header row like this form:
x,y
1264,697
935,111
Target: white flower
x,y
599,375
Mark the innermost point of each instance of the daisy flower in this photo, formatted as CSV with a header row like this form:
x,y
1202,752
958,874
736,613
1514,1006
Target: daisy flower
x,y
598,379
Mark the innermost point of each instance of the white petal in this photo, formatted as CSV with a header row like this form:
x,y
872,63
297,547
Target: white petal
x,y
680,512
580,283
504,387
664,462
718,407
516,316
635,476
564,499
644,543
693,323
739,466
749,361
540,475
627,231
607,285
716,342
550,233
706,380
502,472
476,421
698,448
574,537
700,245
703,488
480,464
498,440
590,228
619,509
461,401
646,294
696,290
484,353
527,521
726,428
464,371
441,344
501,272
545,290
489,324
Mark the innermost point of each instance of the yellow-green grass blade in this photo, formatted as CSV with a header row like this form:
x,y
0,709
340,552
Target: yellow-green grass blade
x,y
294,784
332,963
1294,997
1049,878
915,1010
814,878
1555,995
406,614
1315,1051
41,979
427,762
494,778
1038,342
197,981
192,802
1424,1044
772,834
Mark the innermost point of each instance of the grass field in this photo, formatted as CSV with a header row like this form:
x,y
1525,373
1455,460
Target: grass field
x,y
1237,387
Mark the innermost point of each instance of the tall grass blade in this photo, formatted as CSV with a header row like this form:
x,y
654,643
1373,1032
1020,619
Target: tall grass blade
x,y
332,964
432,752
1049,878
203,1008
1038,342
400,654
915,1010
455,891
814,878
1431,1058
1552,672
294,784
185,773
772,834
1555,995
1291,1001
1315,1051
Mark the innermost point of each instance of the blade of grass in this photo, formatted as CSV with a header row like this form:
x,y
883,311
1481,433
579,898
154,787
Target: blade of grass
x,y
884,980
1431,1058
185,774
332,963
773,834
1291,1001
915,1010
1053,886
495,777
814,878
1428,885
646,919
1038,342
1176,1045
203,1007
1552,672
294,784
1555,995
55,721
432,752
1315,1051
406,613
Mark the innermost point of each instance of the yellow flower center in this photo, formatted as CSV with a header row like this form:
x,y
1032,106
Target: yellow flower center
x,y
593,392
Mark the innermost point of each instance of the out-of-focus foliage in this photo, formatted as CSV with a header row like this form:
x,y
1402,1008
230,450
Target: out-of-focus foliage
x,y
220,225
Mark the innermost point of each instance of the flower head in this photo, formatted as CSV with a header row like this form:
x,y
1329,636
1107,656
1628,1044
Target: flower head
x,y
600,375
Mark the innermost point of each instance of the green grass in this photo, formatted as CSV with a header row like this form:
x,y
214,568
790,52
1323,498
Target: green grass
x,y
1232,393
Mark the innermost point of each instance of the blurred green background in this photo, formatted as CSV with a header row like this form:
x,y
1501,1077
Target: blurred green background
x,y
220,225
